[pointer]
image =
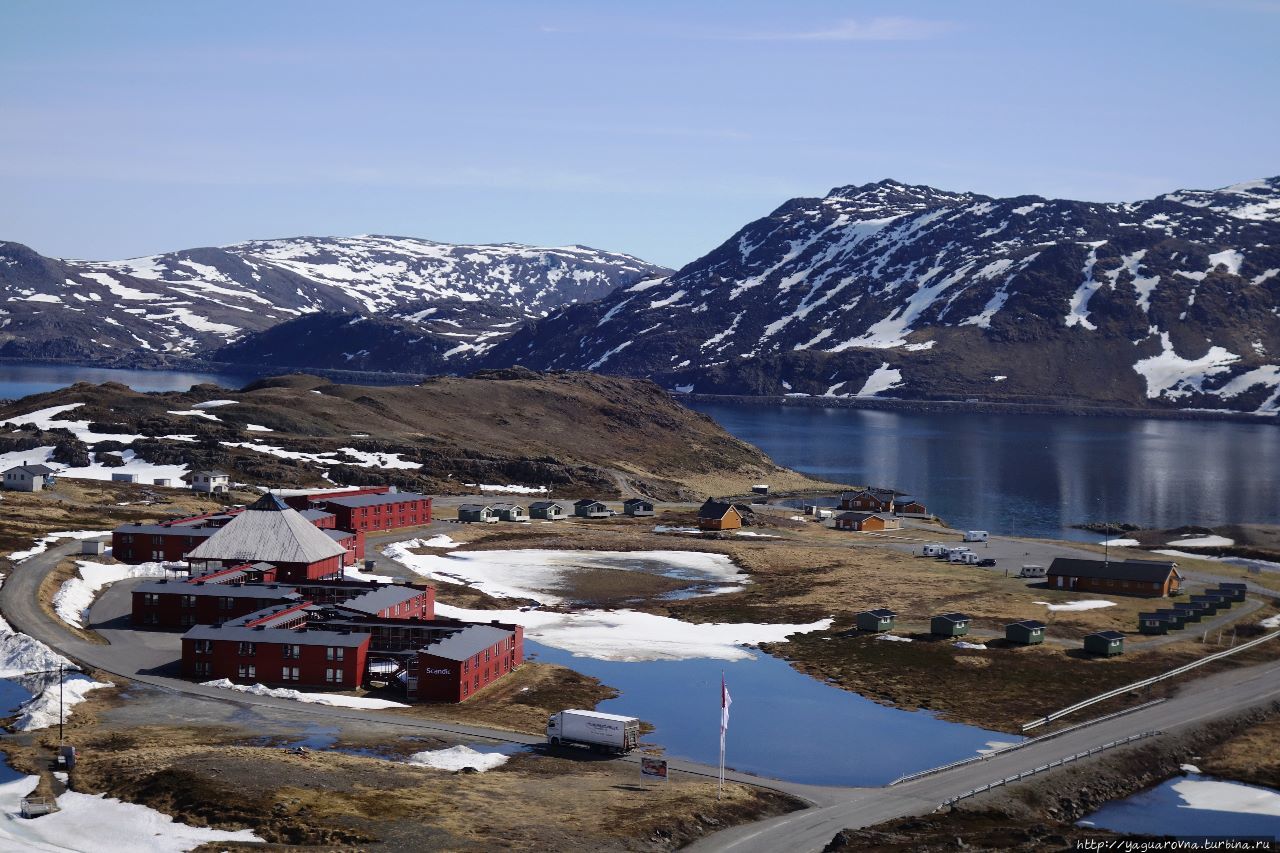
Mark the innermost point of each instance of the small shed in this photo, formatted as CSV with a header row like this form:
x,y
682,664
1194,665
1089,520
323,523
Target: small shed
x,y
1221,597
1190,611
1176,618
878,620
760,489
1153,623
637,507
1105,643
92,547
546,510
162,481
590,508
477,512
949,625
1028,632
1236,591
124,478
509,512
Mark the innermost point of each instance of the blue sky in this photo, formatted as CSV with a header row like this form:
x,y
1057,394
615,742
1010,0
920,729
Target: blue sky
x,y
656,128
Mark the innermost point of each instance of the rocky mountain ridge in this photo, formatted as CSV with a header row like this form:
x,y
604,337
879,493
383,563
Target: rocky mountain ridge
x,y
189,303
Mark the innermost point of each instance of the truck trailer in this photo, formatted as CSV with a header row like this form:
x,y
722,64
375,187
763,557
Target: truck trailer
x,y
605,732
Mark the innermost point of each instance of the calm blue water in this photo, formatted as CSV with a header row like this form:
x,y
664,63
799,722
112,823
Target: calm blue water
x,y
1162,811
782,723
1029,474
19,380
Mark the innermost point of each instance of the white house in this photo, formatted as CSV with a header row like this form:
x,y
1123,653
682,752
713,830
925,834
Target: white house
x,y
213,482
28,478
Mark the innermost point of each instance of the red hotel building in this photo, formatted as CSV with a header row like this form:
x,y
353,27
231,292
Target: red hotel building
x,y
457,666
257,651
269,531
172,541
385,511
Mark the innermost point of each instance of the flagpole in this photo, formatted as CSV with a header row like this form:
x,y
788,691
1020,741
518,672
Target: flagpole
x,y
720,790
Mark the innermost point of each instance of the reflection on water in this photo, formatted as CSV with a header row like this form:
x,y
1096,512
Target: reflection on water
x,y
1164,811
783,724
1031,474
19,380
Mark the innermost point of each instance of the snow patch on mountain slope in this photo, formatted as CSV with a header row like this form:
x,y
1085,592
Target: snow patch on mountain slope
x,y
1170,375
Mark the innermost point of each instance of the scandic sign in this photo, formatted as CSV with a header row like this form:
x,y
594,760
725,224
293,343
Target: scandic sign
x,y
438,671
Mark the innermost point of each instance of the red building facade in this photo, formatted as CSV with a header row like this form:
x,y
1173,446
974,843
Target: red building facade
x,y
382,511
299,658
457,667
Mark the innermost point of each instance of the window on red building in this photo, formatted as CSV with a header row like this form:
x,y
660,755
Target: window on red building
x,y
188,601
151,599
290,652
226,602
248,649
334,653
248,670
333,676
204,647
203,669
290,673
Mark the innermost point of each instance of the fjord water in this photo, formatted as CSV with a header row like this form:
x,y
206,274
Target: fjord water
x,y
783,724
20,380
1030,475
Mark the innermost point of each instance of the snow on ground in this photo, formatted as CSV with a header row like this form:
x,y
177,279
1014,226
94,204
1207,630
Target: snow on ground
x,y
310,698
41,711
340,456
626,635
42,544
46,419
757,535
458,757
352,573
963,645
20,654
1172,376
885,378
1188,768
1203,542
1121,543
666,528
893,638
73,600
1219,796
537,574
257,428
1271,621
99,824
1087,604
213,404
34,456
439,541
197,413
520,490
146,472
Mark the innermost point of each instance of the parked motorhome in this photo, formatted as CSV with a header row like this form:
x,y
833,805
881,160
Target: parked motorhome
x,y
975,536
1033,572
933,549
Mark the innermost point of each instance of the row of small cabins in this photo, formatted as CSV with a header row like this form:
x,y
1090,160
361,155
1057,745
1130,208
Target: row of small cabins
x,y
265,600
37,477
1030,632
551,510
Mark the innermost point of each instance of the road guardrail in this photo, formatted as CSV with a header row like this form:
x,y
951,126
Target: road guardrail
x,y
1111,694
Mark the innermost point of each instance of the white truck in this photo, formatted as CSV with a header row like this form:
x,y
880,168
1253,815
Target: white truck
x,y
599,731
975,536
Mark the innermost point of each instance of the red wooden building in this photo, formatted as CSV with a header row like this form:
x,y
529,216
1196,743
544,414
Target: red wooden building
x,y
266,654
456,667
380,511
868,500
1149,578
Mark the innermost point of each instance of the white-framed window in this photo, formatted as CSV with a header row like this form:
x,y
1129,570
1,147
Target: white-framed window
x,y
335,653
333,676
188,601
290,673
204,647
204,669
248,649
290,651
248,670
151,599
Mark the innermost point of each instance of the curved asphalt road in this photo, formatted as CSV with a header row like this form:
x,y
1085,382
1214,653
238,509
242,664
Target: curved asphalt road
x,y
142,656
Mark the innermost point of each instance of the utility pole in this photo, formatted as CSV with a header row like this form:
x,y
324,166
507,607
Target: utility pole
x,y
61,715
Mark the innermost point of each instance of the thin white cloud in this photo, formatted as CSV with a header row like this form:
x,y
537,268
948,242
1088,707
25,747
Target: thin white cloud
x,y
873,29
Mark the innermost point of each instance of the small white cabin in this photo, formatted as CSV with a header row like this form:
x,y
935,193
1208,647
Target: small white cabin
x,y
211,482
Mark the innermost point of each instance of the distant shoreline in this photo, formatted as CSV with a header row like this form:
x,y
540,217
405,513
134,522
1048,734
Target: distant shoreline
x,y
366,377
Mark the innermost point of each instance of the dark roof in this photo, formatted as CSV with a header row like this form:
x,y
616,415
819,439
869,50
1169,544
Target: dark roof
x,y
381,598
545,505
310,637
38,470
953,617
225,590
314,515
269,503
714,509
373,500
167,529
879,613
335,534
474,507
498,507
1150,571
586,502
1031,624
212,472
630,501
878,494
863,516
466,643
1107,635
1163,617
1233,586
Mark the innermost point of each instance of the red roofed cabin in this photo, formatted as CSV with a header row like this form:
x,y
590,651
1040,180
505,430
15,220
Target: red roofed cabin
x,y
718,515
268,531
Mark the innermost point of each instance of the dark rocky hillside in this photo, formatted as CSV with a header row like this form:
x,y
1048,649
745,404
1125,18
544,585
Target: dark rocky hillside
x,y
908,291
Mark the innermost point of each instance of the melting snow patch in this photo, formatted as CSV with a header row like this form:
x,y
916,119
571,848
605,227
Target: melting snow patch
x,y
1204,542
43,543
1170,375
310,698
756,535
1087,604
667,528
196,413
520,490
458,757
41,711
627,635
213,404
1271,621
257,428
885,378
100,824
1188,768
996,746
963,645
73,600
440,541
893,638
1121,543
1218,796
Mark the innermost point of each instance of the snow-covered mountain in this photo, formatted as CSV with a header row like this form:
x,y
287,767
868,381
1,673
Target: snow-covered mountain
x,y
193,301
897,290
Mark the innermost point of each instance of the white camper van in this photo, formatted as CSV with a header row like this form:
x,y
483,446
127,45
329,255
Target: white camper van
x,y
966,556
1033,572
933,549
975,536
